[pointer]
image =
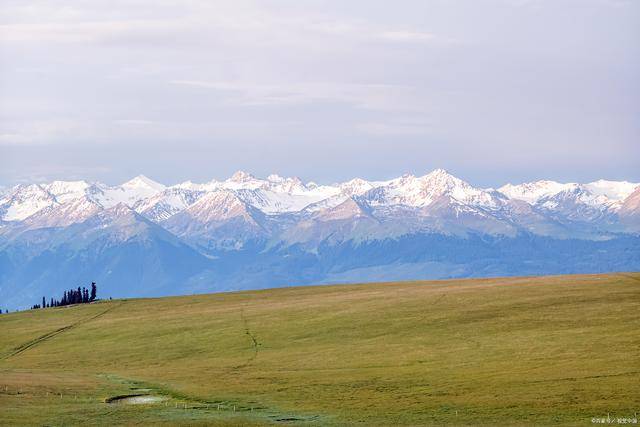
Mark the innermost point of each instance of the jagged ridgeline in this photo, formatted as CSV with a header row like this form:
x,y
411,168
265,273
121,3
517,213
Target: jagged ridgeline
x,y
143,238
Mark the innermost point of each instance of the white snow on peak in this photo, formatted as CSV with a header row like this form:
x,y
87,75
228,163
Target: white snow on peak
x,y
23,201
274,177
356,187
277,183
613,190
217,206
440,182
274,202
193,186
67,213
552,194
241,176
167,203
143,183
129,193
240,180
421,191
67,190
531,192
574,193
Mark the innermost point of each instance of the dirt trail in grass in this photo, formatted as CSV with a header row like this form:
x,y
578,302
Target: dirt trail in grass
x,y
34,342
254,341
588,377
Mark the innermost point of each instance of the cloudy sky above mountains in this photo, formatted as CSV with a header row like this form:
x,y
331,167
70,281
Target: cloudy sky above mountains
x,y
493,90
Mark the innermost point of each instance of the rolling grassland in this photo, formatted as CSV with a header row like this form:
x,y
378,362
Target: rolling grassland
x,y
509,351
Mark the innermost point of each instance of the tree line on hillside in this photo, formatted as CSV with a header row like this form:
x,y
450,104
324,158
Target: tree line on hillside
x,y
81,295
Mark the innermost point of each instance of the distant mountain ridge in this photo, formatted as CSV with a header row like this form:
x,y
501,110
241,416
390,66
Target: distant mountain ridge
x,y
277,195
251,232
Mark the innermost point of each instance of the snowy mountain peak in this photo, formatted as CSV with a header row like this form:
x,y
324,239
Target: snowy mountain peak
x,y
217,206
552,195
414,191
531,192
72,211
356,186
241,176
287,185
58,188
443,179
167,203
440,172
192,186
274,177
614,190
142,182
23,201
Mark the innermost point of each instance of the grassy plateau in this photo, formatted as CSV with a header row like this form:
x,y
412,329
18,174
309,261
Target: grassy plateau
x,y
511,351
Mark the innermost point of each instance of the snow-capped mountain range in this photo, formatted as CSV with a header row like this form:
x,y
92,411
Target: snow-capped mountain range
x,y
68,202
50,227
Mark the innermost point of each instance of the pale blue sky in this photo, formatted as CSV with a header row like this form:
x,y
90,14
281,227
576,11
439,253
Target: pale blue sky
x,y
492,90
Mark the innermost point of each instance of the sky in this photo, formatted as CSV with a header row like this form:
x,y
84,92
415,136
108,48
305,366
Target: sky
x,y
494,91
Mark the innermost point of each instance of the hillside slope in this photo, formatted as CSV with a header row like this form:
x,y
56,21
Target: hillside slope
x,y
552,350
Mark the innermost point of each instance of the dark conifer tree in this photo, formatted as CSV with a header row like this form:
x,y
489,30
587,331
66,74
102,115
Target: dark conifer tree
x,y
79,295
94,291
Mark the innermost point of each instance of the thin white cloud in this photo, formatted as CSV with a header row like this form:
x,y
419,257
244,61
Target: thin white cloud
x,y
95,22
367,96
393,128
45,131
135,122
83,32
408,36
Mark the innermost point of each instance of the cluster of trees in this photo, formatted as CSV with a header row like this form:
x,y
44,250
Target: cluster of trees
x,y
81,295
